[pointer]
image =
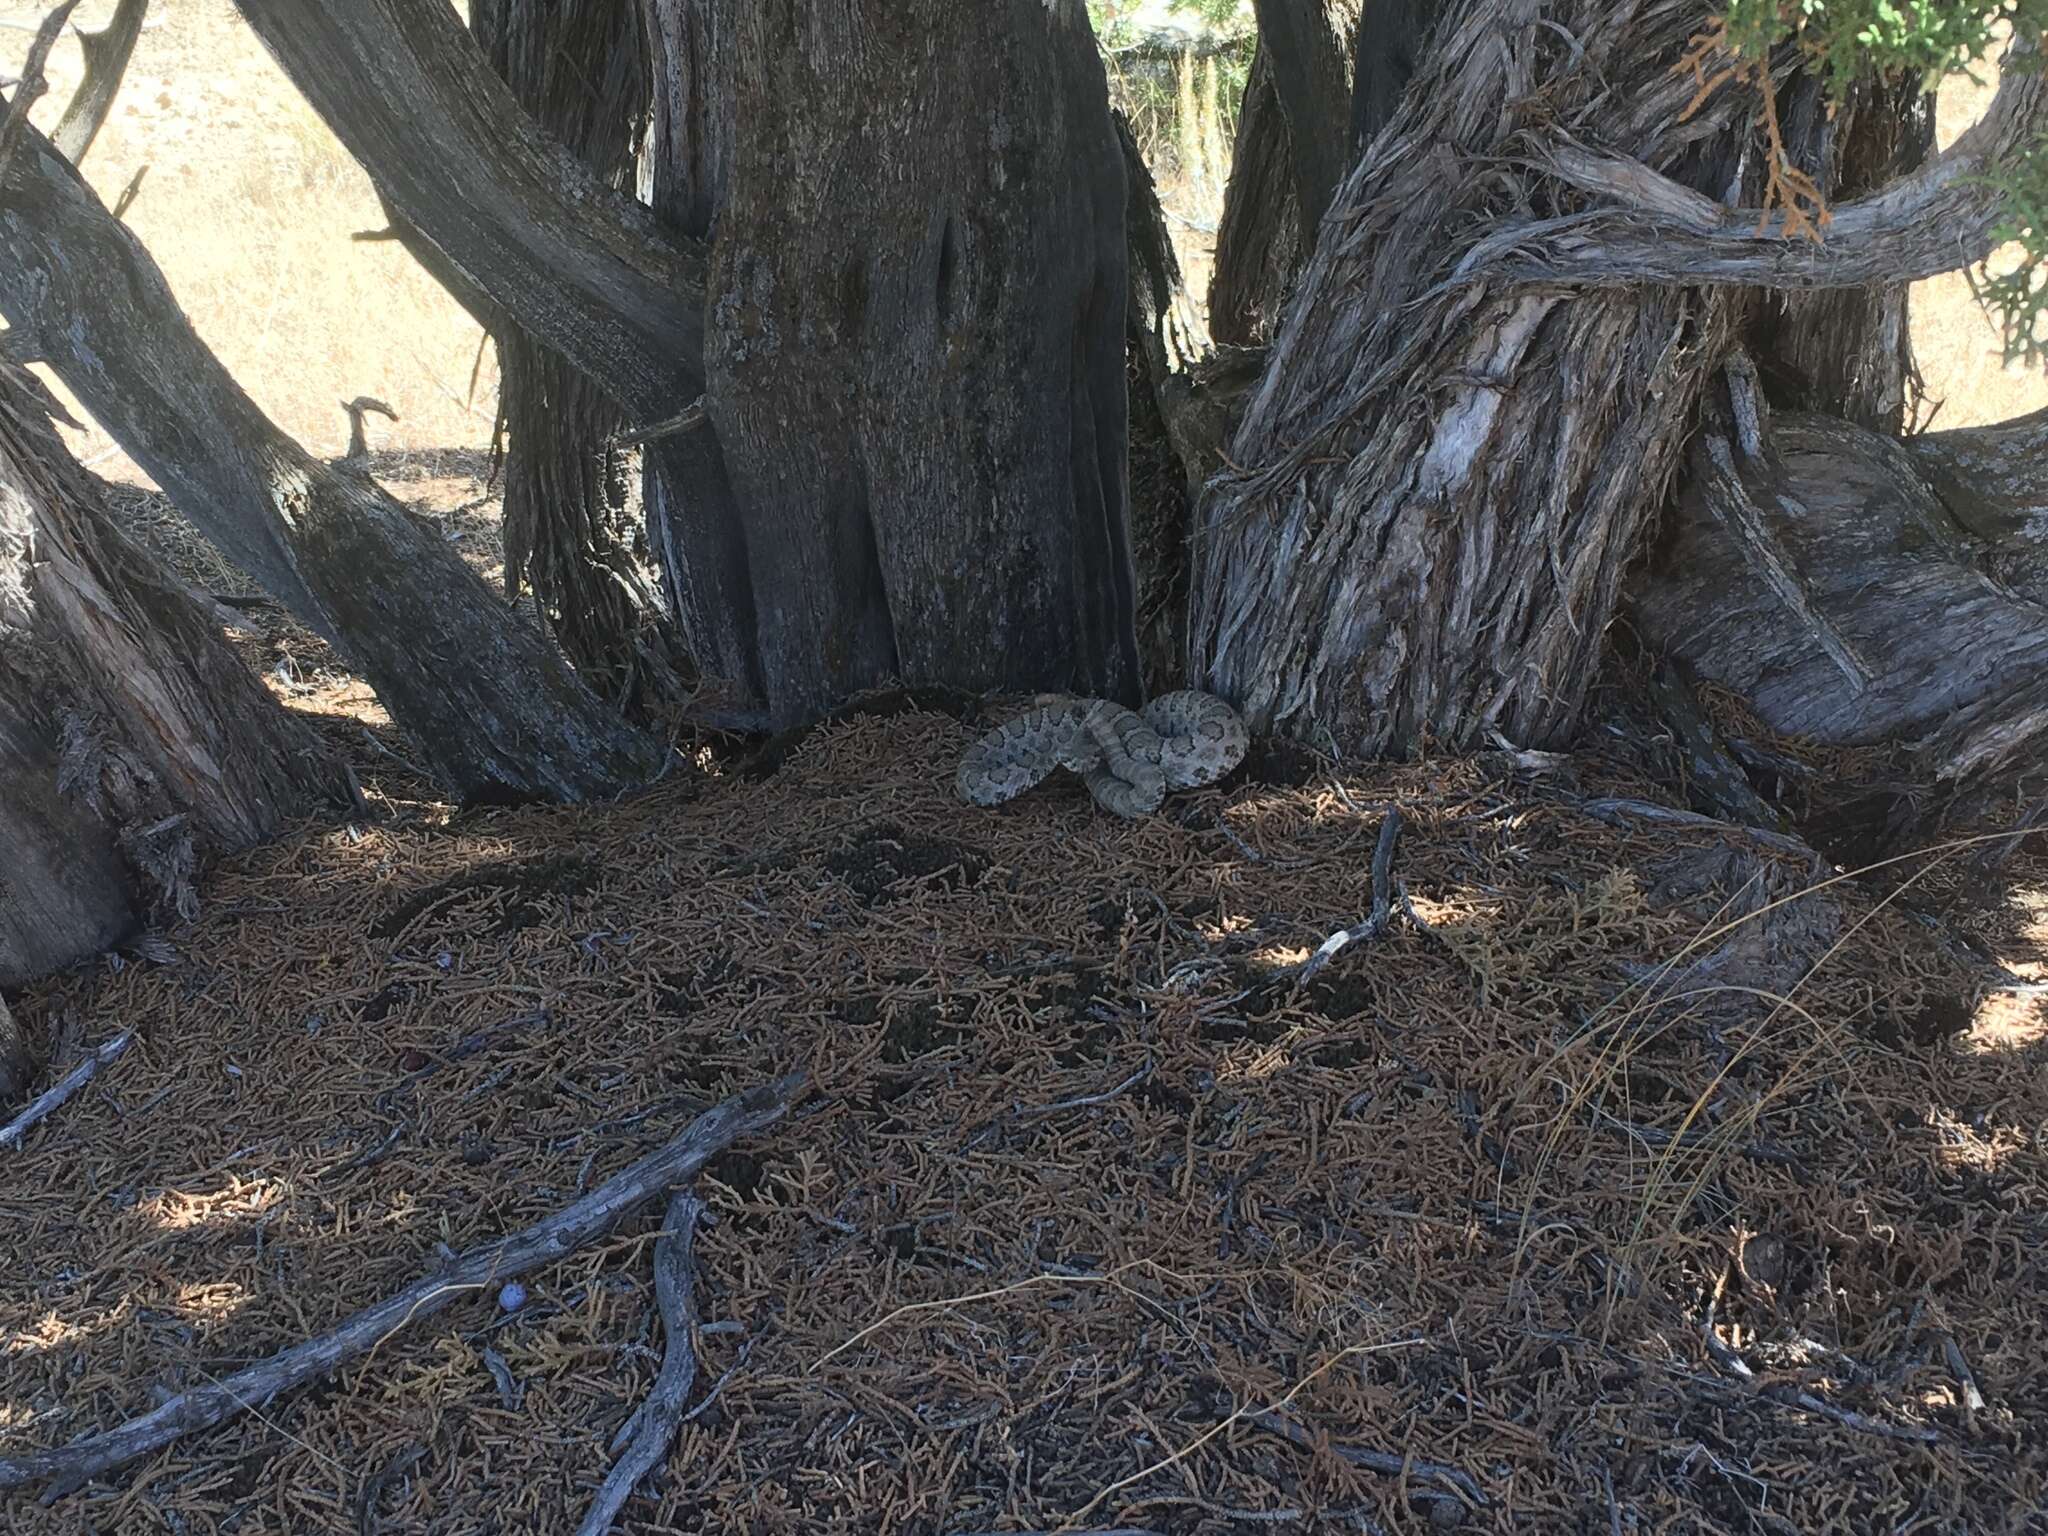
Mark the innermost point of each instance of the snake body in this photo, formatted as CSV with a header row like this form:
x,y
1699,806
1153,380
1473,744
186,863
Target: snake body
x,y
1129,759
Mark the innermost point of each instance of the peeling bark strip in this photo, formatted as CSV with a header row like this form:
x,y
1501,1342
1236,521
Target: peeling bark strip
x,y
133,741
496,709
915,384
1443,478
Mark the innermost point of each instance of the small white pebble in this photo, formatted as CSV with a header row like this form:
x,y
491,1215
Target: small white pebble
x,y
512,1297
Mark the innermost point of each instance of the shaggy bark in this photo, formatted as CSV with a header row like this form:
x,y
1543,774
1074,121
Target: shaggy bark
x,y
136,743
1259,243
580,68
493,705
915,395
1443,477
1946,612
1847,352
1460,440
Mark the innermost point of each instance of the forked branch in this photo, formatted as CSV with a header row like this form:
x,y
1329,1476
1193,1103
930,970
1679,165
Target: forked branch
x,y
107,53
490,1264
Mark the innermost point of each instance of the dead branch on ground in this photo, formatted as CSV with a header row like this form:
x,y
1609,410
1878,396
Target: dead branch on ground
x,y
52,1099
547,1242
653,1425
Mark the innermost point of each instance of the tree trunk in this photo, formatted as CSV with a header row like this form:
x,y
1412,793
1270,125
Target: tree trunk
x,y
580,68
492,703
1846,352
133,742
915,372
1392,36
1307,44
1442,477
1943,602
910,463
1259,243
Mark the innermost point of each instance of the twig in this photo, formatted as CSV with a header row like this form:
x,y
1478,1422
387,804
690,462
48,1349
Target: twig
x,y
1849,1419
546,1242
373,1488
654,1423
1382,903
689,417
1452,1480
52,1098
1040,1111
1613,808
1952,1352
33,84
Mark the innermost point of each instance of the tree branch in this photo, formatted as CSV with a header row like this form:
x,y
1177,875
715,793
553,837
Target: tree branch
x,y
32,85
1653,230
489,1264
649,1432
572,261
107,53
489,697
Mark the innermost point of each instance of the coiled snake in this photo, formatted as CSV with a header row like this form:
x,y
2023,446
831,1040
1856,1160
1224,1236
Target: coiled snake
x,y
1129,758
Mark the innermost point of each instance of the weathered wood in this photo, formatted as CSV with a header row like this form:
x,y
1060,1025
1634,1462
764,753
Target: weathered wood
x,y
59,1093
915,369
495,708
1957,649
107,52
578,263
1651,228
1167,464
1308,47
580,67
15,1066
488,1265
134,743
1846,352
1441,480
1391,38
647,1435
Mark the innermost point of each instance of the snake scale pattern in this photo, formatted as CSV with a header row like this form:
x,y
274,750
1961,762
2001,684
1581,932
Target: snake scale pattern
x,y
1129,759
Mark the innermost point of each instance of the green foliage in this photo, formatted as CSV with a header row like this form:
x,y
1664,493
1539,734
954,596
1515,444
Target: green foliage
x,y
2018,298
1844,39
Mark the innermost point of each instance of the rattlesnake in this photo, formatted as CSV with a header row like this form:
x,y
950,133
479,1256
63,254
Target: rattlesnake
x,y
1130,759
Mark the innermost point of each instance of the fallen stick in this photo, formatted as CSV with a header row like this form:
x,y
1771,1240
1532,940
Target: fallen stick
x,y
52,1098
653,1425
492,1263
1382,903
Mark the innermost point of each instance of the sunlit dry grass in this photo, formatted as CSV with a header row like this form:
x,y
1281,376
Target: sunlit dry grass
x,y
1957,343
248,203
